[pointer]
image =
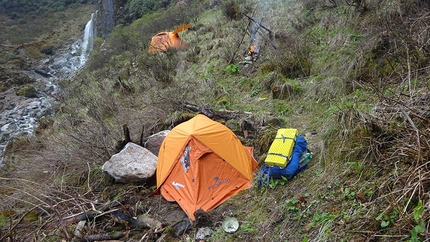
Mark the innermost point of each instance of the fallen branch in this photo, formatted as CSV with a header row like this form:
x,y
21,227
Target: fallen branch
x,y
258,23
105,236
117,215
88,215
217,115
126,131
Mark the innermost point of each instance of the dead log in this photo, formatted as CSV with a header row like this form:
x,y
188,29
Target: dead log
x,y
105,236
212,114
126,131
130,222
142,139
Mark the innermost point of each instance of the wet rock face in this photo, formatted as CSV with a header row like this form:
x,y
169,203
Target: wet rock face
x,y
105,18
111,13
20,114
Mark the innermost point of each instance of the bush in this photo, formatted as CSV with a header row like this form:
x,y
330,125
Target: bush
x,y
142,7
232,10
16,7
292,60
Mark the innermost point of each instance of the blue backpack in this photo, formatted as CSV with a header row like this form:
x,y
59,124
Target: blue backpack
x,y
292,168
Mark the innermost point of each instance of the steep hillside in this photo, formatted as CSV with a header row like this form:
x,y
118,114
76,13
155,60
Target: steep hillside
x,y
352,76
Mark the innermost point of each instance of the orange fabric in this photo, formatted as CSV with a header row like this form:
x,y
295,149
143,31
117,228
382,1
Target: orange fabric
x,y
201,163
254,162
165,40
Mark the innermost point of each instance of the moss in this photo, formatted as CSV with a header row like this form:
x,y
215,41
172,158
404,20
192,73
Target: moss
x,y
3,87
265,140
27,91
47,49
31,216
223,100
34,52
17,145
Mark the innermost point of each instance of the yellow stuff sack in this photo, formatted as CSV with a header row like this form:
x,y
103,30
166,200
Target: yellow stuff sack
x,y
281,148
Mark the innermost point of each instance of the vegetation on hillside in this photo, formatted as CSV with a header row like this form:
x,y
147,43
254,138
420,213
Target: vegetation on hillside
x,y
17,8
140,8
352,76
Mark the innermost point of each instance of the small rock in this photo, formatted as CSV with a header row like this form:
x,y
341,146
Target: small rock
x,y
203,232
182,227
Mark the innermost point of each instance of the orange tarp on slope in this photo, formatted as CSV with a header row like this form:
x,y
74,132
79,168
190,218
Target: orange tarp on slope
x,y
201,163
165,40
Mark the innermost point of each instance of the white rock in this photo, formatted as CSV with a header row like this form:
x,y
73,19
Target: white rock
x,y
133,164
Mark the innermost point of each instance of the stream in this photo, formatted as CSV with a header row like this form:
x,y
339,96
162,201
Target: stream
x,y
22,115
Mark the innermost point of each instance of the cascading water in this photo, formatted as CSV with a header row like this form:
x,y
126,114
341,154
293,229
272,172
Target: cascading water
x,y
24,117
88,40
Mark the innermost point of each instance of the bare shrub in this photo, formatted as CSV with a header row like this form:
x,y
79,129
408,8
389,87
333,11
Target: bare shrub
x,y
231,10
398,51
161,66
392,138
359,5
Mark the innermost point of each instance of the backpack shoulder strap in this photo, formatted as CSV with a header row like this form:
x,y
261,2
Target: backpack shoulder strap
x,y
264,176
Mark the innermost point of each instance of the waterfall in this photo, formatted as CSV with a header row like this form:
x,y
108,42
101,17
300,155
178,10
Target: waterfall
x,y
23,117
88,40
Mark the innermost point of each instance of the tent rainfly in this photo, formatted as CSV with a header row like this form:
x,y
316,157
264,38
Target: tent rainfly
x,y
166,40
201,163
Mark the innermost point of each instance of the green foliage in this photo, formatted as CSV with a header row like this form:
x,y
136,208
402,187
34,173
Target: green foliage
x,y
358,166
348,193
27,91
387,219
142,7
355,37
3,220
248,228
290,205
322,218
420,226
277,182
283,108
232,68
16,7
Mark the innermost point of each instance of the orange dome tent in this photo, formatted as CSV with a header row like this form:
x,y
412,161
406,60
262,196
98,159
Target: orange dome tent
x,y
201,163
165,40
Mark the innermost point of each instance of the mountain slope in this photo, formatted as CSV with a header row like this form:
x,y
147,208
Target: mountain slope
x,y
351,76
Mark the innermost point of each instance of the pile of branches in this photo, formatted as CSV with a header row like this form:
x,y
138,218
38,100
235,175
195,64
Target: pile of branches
x,y
35,212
